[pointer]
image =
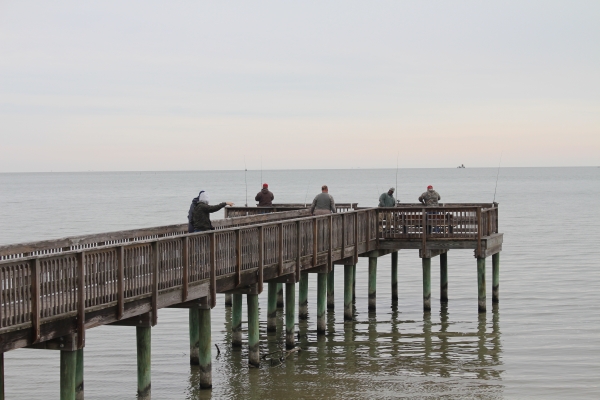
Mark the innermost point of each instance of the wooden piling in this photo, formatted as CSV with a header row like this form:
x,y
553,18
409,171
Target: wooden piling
x,y
205,348
144,359
394,276
321,300
79,376
280,295
236,320
354,282
444,277
228,300
194,335
253,334
481,285
272,306
348,291
330,289
290,305
303,296
68,372
426,284
372,283
496,278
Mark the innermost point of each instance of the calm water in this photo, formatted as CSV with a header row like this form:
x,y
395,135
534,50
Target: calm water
x,y
542,342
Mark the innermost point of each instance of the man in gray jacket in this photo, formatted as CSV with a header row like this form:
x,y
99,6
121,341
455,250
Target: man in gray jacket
x,y
323,203
387,199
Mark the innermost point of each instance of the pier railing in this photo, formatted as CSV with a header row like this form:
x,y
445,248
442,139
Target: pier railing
x,y
245,211
101,271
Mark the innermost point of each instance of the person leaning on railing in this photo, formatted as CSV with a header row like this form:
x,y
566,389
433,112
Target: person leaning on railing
x,y
265,197
430,198
323,203
387,199
202,211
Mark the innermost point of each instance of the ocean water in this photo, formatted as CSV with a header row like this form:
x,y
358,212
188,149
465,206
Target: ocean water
x,y
542,341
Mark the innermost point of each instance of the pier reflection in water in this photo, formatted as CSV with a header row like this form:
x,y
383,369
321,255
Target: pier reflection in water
x,y
385,358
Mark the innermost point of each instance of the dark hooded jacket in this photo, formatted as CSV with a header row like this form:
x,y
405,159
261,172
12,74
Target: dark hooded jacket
x,y
191,215
201,216
264,198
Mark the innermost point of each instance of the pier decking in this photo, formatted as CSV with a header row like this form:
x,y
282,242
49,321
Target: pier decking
x,y
53,291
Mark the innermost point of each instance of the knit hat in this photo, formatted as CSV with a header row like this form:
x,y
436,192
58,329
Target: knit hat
x,y
429,187
203,198
265,185
391,189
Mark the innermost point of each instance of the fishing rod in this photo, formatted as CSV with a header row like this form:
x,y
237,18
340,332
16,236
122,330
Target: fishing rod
x,y
246,180
397,157
261,181
497,175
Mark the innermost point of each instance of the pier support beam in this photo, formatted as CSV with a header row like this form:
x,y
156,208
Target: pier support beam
x,y
330,289
205,347
68,372
354,282
236,320
444,277
290,315
321,297
144,351
194,335
426,284
394,277
303,296
273,288
496,278
348,291
280,295
481,285
372,283
253,334
228,299
79,376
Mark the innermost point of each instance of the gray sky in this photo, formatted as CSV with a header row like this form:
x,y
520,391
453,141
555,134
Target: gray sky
x,y
191,85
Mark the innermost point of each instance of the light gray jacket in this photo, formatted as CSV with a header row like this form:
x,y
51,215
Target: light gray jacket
x,y
323,201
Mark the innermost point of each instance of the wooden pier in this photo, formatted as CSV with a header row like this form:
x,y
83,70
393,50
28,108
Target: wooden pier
x,y
53,291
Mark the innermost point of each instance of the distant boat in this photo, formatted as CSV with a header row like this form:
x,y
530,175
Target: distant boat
x,y
461,166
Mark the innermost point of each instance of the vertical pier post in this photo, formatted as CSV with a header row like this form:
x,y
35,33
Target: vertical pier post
x,y
194,335
444,277
290,315
68,372
1,376
330,289
372,283
303,296
348,291
205,347
79,376
426,284
321,297
144,358
496,278
481,284
253,338
280,295
228,300
272,306
354,282
394,276
236,320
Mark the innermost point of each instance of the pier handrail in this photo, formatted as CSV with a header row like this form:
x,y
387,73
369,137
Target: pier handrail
x,y
40,288
237,211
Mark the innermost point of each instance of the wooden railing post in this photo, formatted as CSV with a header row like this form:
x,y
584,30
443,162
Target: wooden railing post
x,y
329,253
424,230
298,252
35,298
343,235
315,242
155,279
280,249
368,221
238,257
356,237
213,270
261,257
185,259
81,300
120,282
478,231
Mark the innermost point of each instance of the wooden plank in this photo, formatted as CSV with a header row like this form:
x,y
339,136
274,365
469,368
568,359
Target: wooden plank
x,y
315,241
35,298
343,234
424,229
185,259
120,281
330,262
367,221
298,250
261,257
478,232
81,300
280,248
213,270
155,268
238,256
355,237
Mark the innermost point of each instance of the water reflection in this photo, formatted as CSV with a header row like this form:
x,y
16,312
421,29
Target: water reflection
x,y
367,357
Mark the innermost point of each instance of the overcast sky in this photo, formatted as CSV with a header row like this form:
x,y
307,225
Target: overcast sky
x,y
193,85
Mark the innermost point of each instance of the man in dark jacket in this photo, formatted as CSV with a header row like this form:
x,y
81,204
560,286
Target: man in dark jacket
x,y
202,211
191,212
265,197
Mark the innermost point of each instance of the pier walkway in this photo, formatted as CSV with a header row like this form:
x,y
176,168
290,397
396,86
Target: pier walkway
x,y
53,291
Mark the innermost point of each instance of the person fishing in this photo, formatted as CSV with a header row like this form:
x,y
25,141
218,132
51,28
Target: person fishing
x,y
323,203
430,198
387,199
191,212
202,211
264,197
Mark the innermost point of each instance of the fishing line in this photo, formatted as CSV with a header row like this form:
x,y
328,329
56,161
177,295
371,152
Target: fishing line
x,y
497,175
246,180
